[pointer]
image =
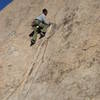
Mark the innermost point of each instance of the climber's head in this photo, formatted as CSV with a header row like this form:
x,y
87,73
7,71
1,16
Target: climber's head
x,y
45,11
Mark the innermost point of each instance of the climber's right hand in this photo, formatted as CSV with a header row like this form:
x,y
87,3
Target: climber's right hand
x,y
50,23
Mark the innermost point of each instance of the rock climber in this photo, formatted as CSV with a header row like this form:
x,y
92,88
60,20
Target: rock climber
x,y
40,26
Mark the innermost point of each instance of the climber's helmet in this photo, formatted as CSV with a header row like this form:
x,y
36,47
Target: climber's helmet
x,y
45,11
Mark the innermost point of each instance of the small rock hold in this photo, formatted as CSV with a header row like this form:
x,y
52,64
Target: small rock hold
x,y
12,33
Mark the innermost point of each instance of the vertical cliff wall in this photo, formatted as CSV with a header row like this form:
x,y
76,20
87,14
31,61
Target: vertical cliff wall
x,y
65,65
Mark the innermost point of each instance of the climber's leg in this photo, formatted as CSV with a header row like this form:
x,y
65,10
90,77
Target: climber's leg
x,y
43,30
34,38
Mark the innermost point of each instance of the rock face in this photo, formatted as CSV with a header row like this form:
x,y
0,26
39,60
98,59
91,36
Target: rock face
x,y
65,65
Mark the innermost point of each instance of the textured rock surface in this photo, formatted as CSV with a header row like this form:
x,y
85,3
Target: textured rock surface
x,y
65,65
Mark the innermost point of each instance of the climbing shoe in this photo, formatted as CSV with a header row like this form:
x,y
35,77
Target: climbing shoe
x,y
42,35
32,42
31,34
